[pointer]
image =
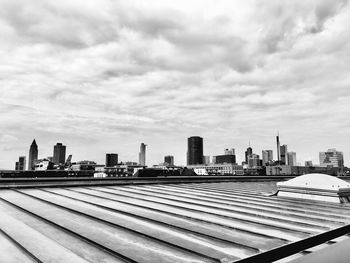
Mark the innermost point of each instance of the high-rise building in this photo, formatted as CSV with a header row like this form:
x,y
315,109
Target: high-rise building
x,y
278,148
331,158
283,153
253,161
230,151
21,164
111,159
59,153
142,154
267,157
248,152
33,155
169,160
194,150
292,158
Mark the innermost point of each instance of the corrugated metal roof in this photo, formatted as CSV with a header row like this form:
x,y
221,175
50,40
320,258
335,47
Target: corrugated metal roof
x,y
200,222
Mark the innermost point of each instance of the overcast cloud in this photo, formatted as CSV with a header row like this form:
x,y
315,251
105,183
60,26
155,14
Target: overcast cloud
x,y
103,76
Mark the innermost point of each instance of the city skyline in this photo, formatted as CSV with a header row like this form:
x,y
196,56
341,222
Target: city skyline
x,y
103,76
193,139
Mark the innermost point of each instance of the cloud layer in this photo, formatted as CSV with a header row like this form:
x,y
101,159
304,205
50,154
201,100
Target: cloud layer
x,y
104,76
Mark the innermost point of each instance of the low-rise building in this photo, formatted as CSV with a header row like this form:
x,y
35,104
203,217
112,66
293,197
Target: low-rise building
x,y
218,169
299,170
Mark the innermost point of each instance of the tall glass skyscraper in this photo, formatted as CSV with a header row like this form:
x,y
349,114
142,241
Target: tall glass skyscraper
x,y
59,153
194,150
267,157
283,152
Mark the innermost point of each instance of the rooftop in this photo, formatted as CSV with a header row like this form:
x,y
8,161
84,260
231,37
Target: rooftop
x,y
188,222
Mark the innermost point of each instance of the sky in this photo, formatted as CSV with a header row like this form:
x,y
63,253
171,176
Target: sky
x,y
103,76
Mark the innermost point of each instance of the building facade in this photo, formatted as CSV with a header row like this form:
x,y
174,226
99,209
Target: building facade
x,y
169,160
226,158
248,152
267,157
142,154
253,161
218,169
111,159
283,152
59,153
195,150
206,159
331,158
33,155
292,158
230,151
21,164
308,163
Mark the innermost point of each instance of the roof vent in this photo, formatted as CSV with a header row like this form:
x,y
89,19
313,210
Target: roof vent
x,y
319,187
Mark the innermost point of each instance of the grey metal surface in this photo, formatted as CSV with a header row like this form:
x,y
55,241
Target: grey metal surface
x,y
198,222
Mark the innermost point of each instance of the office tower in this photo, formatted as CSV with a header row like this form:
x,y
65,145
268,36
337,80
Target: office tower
x,y
230,151
206,159
33,155
292,158
214,159
308,163
194,150
278,148
267,157
21,164
331,158
169,160
253,161
59,153
283,154
248,152
142,154
111,159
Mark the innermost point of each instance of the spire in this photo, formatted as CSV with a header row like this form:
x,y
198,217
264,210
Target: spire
x,y
34,142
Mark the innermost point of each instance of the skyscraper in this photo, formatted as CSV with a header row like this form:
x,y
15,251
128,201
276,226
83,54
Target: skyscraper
x,y
267,157
253,161
248,152
283,151
278,148
169,160
142,154
111,159
59,153
331,158
194,150
33,155
292,158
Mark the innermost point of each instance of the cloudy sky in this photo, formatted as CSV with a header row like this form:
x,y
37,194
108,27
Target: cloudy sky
x,y
103,76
